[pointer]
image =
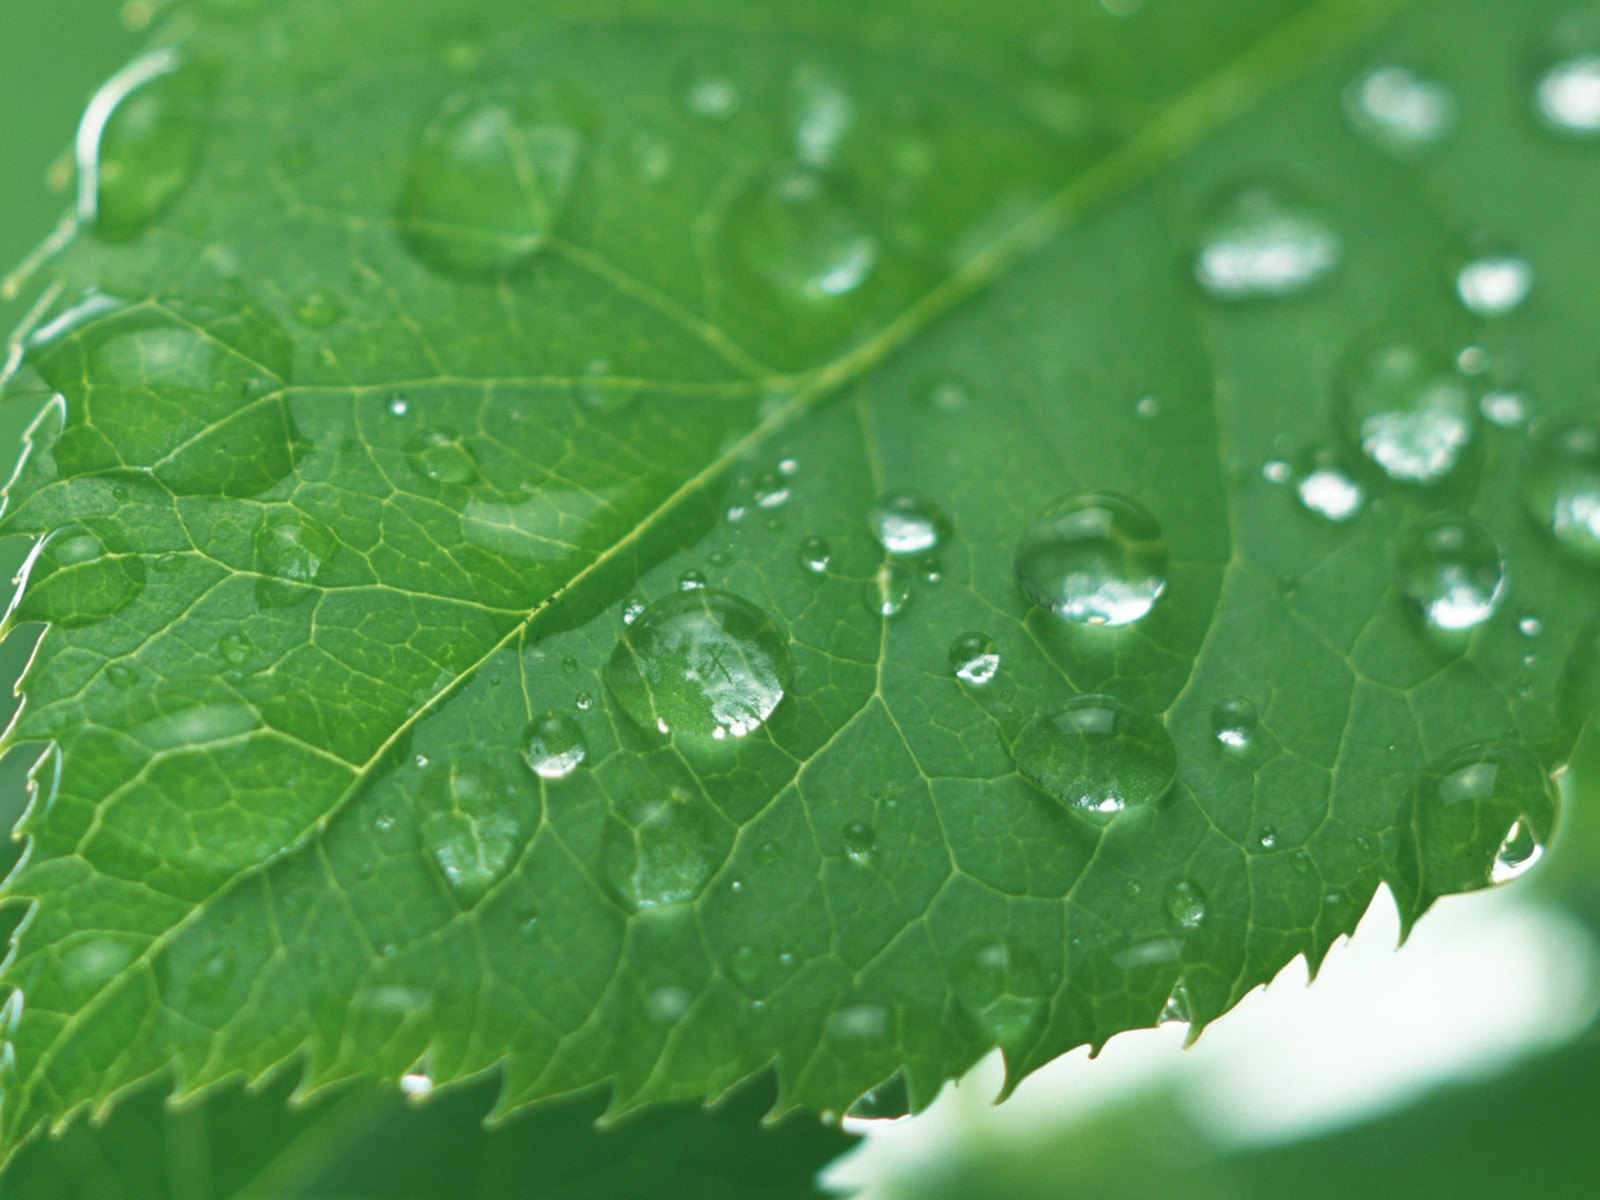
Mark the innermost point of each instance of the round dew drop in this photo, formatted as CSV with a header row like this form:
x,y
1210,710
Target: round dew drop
x,y
1098,756
974,659
1568,96
888,592
1407,410
1400,110
660,850
1326,488
554,747
815,556
1001,989
1495,285
1562,487
1260,245
702,663
907,525
1094,559
1482,816
798,232
440,457
1451,571
1234,722
1186,904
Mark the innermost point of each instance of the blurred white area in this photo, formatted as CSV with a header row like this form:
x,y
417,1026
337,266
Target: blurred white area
x,y
1484,980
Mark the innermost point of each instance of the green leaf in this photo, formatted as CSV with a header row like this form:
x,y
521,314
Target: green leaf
x,y
409,349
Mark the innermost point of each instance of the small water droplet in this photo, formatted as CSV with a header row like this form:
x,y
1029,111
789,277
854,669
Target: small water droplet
x,y
1400,110
713,97
1452,572
1260,245
1408,411
815,555
1276,471
857,842
866,1021
416,1085
79,575
1234,722
948,395
121,675
553,746
398,406
1530,626
1098,756
700,663
632,610
1177,1009
771,492
975,658
290,551
1482,816
318,310
583,702
1561,487
235,648
1504,409
1568,95
1001,988
1186,904
441,457
1326,487
1267,839
1495,284
907,525
492,170
798,232
691,581
1148,408
660,850
888,591
140,143
1095,559
667,1003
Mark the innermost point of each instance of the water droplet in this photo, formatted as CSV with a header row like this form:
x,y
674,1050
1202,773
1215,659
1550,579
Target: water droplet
x,y
441,457
1186,904
80,575
290,551
1561,487
866,1021
1494,285
583,702
554,747
691,581
1260,245
1177,1009
1234,722
660,850
948,395
701,663
1504,409
1001,988
1098,756
121,675
1095,559
1452,572
1408,411
713,97
491,173
318,310
1530,626
888,591
416,1085
1326,487
771,492
477,815
398,406
799,233
823,118
1267,839
815,555
1568,95
235,648
632,610
1276,471
975,658
907,525
1148,408
857,842
1482,815
1400,110
666,1003
140,143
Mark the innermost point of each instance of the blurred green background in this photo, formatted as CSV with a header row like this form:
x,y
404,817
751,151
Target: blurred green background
x,y
1522,1125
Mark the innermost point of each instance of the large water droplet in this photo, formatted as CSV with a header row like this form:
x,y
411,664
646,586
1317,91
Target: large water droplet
x,y
1562,487
1568,95
1261,245
1186,904
1096,559
1400,110
477,815
1495,284
441,457
80,575
660,850
702,663
1410,412
554,747
800,234
857,842
907,525
1483,815
1098,756
290,550
1452,572
140,142
492,171
974,658
1001,988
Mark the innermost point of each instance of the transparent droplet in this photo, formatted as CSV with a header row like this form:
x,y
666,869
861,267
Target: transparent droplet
x,y
1267,839
1098,756
121,675
1400,110
1504,409
799,233
1530,626
1481,816
771,490
1234,722
1186,904
1261,245
713,97
975,658
140,143
1001,988
80,575
1275,470
1561,487
1450,570
815,555
492,170
441,457
1177,1009
398,406
318,310
1095,559
553,746
691,581
1409,411
290,551
666,1003
660,850
857,843
700,663
907,525
864,1022
888,591
1148,408
1568,95
1327,488
235,648
1494,285
632,611
477,815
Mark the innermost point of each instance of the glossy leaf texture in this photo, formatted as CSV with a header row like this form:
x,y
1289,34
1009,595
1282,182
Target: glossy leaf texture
x,y
626,544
